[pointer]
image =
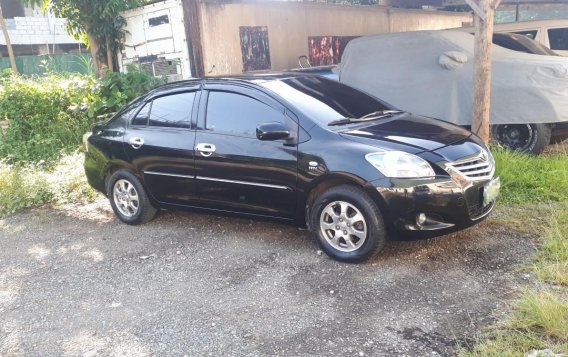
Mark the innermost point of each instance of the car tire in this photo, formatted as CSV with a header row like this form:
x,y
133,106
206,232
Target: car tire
x,y
347,224
528,138
129,199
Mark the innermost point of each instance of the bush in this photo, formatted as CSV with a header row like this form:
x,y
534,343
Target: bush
x,y
21,188
24,186
40,123
47,115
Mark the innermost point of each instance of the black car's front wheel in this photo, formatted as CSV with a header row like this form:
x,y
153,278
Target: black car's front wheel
x,y
128,198
347,224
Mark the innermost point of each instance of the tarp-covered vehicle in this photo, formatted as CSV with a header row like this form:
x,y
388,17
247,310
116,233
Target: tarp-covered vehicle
x,y
431,73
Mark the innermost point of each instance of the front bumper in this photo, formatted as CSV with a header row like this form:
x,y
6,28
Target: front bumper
x,y
448,207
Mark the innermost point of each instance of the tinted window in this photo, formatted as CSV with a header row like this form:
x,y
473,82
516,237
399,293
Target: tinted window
x,y
122,116
173,111
530,33
238,114
324,100
142,117
521,43
558,38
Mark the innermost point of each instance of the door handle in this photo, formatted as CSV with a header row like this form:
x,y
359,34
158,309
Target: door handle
x,y
136,143
205,149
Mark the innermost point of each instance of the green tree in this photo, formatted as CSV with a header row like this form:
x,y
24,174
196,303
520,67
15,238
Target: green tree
x,y
97,22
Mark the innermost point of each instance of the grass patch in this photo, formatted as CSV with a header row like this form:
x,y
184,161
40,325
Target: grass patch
x,y
532,179
539,319
541,312
551,263
535,194
35,184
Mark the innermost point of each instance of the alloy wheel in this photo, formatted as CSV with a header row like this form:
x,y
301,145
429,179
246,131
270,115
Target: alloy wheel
x,y
126,198
343,226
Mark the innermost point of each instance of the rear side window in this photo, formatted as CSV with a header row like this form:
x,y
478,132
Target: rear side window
x,y
529,33
237,114
170,111
558,38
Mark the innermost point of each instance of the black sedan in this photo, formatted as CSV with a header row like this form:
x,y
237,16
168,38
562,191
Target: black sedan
x,y
297,148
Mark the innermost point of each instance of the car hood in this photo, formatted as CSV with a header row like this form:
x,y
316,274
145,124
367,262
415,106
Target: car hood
x,y
408,132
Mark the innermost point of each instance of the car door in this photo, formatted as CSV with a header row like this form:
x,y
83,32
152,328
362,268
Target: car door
x,y
159,142
235,170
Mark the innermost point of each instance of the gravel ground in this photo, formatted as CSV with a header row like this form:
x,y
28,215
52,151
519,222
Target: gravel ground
x,y
75,281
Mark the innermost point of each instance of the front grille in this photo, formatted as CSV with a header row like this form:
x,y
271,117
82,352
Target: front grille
x,y
477,211
477,168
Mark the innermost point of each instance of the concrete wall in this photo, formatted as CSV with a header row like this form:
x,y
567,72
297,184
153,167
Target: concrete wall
x,y
291,23
37,31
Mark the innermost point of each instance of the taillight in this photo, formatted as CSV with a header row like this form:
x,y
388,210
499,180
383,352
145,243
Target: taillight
x,y
86,141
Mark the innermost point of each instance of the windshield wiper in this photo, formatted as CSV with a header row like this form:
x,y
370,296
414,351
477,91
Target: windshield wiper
x,y
371,116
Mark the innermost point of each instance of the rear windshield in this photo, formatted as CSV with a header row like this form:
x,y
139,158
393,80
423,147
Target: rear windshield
x,y
324,100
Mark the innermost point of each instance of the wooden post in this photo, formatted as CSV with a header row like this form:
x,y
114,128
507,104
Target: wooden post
x,y
192,24
8,42
484,12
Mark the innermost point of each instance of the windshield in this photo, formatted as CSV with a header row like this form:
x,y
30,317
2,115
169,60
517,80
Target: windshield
x,y
324,100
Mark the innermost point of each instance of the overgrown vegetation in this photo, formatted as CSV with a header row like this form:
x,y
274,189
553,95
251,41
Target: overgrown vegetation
x,y
46,116
527,179
43,119
35,184
539,319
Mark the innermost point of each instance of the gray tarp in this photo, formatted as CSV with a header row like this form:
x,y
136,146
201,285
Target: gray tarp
x,y
431,73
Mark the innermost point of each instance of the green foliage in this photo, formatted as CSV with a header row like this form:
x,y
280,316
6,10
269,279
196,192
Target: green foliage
x,y
118,89
21,188
47,115
40,123
35,184
531,179
551,263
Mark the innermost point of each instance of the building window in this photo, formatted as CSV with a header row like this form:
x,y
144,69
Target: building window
x,y
158,20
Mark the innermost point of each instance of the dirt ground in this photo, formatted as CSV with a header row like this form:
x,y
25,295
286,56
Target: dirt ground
x,y
75,281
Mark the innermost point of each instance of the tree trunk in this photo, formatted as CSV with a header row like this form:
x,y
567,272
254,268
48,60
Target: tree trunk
x,y
8,42
482,70
110,62
94,48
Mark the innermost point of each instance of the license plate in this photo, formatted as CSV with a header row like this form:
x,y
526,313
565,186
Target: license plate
x,y
491,191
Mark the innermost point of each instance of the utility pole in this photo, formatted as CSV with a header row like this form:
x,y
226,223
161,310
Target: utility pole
x,y
8,42
484,12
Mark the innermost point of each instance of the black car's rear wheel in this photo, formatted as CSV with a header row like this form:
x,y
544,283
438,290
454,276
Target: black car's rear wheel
x,y
529,138
347,224
128,198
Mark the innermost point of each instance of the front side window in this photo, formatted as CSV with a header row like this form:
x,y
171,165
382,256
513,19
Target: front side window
x,y
558,38
237,114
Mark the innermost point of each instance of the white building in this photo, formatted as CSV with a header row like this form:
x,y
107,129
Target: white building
x,y
34,33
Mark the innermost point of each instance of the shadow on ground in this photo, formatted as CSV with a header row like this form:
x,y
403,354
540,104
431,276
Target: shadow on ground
x,y
75,281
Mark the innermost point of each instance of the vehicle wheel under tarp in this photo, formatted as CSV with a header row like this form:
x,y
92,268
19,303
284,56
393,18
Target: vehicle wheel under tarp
x,y
529,138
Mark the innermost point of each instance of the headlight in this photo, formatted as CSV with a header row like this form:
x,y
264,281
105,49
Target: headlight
x,y
400,164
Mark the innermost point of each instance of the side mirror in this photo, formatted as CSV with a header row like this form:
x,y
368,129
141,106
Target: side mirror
x,y
272,131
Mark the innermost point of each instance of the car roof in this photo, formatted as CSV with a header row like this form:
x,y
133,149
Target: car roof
x,y
251,79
